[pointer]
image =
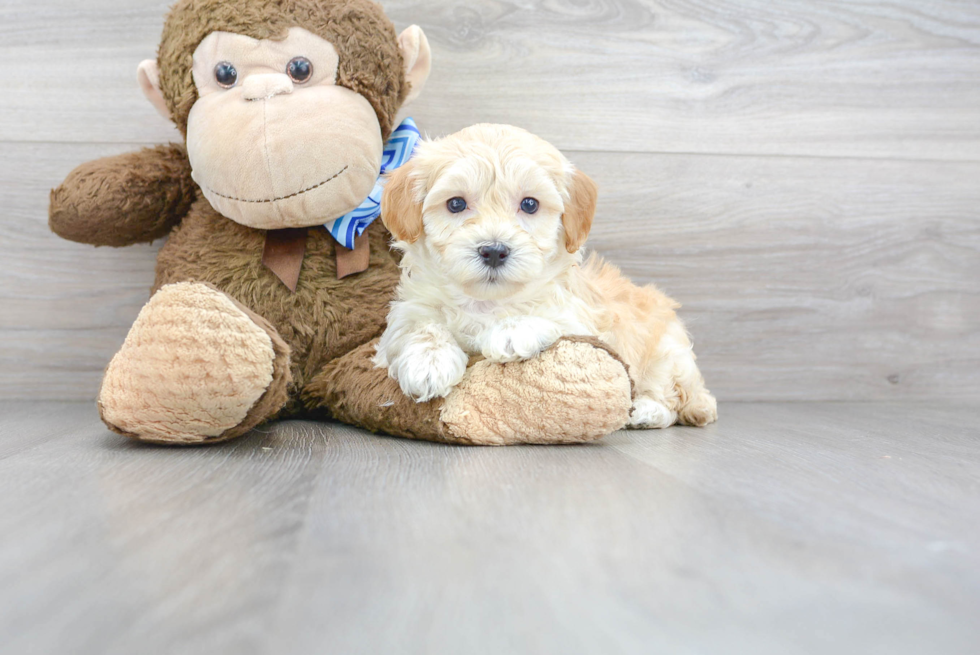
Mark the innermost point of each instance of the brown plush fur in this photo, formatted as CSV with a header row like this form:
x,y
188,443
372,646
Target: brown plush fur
x,y
370,62
153,191
340,389
324,319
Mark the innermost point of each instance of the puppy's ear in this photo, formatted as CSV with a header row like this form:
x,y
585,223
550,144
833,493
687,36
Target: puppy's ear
x,y
400,212
579,211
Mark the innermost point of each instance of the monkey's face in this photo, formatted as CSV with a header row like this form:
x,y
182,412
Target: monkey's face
x,y
273,141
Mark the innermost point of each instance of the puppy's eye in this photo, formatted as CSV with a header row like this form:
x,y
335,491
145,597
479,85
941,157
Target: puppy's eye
x,y
529,205
456,205
225,74
299,69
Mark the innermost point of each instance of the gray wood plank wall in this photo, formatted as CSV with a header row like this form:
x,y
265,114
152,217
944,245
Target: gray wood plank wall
x,y
804,176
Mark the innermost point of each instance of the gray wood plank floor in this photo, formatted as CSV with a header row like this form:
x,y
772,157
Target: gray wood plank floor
x,y
785,528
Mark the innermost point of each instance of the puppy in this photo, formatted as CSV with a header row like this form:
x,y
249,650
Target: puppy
x,y
491,223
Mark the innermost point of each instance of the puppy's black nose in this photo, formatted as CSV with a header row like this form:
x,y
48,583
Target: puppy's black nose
x,y
494,255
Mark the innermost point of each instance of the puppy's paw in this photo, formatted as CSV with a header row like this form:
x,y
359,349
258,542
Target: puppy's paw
x,y
514,339
429,365
648,413
700,411
427,373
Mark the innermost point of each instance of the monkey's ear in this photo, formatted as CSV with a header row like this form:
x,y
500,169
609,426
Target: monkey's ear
x,y
579,211
148,75
418,59
401,212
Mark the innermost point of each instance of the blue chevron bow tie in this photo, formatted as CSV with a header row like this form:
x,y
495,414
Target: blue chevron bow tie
x,y
397,151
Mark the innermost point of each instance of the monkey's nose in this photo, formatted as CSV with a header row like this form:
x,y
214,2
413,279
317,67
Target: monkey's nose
x,y
494,255
266,85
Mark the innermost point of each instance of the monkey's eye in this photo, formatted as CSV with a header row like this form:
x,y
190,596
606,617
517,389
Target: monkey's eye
x,y
456,205
299,69
529,205
225,74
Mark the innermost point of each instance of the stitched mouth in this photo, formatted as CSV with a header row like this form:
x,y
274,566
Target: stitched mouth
x,y
291,195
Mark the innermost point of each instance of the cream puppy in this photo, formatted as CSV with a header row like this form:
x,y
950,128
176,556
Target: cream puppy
x,y
491,221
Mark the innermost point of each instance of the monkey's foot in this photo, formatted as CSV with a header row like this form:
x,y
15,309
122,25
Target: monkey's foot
x,y
196,367
576,391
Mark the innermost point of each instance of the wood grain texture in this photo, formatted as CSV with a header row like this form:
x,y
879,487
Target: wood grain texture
x,y
784,529
827,249
841,77
801,278
807,279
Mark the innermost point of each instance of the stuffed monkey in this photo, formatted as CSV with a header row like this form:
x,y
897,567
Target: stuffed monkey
x,y
274,282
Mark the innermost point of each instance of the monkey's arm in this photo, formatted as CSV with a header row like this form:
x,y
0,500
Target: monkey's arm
x,y
130,198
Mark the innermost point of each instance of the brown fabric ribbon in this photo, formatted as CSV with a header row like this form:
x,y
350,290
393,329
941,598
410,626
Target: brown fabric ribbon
x,y
284,252
285,249
353,261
